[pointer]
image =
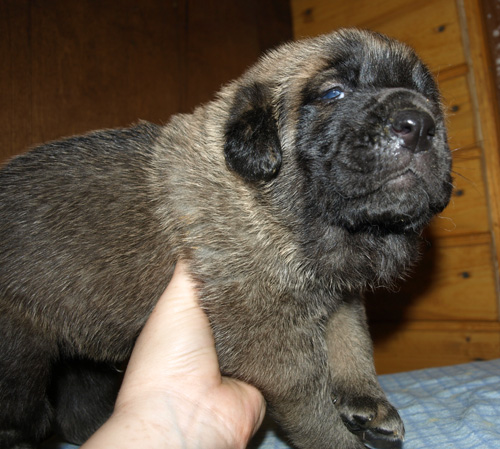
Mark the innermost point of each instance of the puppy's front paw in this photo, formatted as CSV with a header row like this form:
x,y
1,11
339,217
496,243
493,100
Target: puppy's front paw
x,y
374,420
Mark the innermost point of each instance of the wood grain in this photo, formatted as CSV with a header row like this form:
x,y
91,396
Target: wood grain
x,y
424,344
430,26
460,114
486,109
78,66
71,67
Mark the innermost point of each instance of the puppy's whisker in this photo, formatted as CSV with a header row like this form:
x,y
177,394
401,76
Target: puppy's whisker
x,y
439,218
460,175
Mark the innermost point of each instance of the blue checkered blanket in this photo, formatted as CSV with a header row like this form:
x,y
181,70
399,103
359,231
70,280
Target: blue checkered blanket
x,y
456,407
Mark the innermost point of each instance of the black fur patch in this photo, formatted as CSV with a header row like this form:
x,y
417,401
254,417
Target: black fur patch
x,y
252,147
348,153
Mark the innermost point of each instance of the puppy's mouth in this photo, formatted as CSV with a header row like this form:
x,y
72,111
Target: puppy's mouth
x,y
403,180
397,202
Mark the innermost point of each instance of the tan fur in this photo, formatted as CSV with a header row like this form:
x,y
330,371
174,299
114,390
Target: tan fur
x,y
286,204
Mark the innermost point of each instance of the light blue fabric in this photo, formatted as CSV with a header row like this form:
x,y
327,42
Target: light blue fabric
x,y
456,407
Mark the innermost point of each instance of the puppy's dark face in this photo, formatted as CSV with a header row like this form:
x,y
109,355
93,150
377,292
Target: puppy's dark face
x,y
371,139
346,134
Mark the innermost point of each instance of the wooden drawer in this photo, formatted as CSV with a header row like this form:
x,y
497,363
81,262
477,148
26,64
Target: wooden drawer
x,y
460,118
467,212
431,27
422,344
312,17
454,281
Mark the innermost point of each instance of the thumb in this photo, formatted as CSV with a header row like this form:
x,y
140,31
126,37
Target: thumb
x,y
177,339
252,403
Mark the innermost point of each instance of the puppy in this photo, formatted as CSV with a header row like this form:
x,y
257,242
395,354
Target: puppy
x,y
305,182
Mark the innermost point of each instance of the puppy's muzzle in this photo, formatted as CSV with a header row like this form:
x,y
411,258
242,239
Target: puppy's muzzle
x,y
415,128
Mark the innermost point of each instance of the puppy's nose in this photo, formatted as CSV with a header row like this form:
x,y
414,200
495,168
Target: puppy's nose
x,y
416,129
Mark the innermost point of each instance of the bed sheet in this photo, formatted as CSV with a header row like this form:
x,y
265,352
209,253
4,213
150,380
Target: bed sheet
x,y
455,407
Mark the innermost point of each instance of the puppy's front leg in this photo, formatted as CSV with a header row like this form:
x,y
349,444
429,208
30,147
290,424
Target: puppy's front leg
x,y
358,395
293,375
298,392
311,420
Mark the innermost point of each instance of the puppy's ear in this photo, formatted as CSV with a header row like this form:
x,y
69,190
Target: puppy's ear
x,y
252,147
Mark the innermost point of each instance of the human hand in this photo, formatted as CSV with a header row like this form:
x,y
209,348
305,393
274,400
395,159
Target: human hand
x,y
173,394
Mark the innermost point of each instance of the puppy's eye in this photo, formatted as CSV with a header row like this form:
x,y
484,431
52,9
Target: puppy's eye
x,y
335,93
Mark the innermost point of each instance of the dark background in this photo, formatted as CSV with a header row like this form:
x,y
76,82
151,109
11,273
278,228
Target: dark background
x,y
72,66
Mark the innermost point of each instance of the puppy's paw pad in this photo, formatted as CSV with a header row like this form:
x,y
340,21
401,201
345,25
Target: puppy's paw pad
x,y
375,421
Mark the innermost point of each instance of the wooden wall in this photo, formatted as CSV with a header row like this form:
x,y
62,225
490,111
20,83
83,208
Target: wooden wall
x,y
449,311
491,10
72,66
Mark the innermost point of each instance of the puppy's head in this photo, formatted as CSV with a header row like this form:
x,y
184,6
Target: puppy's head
x,y
354,120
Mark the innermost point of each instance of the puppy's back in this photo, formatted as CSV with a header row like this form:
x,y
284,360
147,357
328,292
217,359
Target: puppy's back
x,y
73,206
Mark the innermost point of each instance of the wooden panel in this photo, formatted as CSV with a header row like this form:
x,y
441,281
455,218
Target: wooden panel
x,y
420,345
430,26
313,17
467,212
221,33
84,65
491,14
101,64
70,67
461,122
15,86
455,281
226,37
487,108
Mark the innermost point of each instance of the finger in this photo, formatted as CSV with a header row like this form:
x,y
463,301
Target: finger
x,y
252,405
177,338
256,400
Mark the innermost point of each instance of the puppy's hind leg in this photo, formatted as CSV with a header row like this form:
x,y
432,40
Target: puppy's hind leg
x,y
83,393
357,393
25,365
